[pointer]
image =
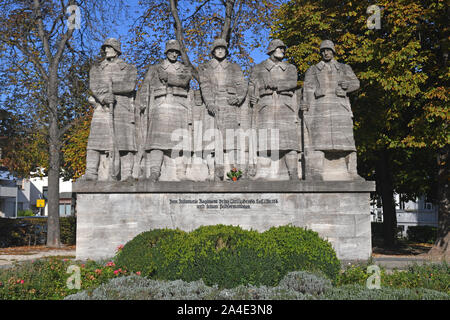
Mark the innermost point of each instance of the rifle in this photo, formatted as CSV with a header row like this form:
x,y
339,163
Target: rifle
x,y
114,156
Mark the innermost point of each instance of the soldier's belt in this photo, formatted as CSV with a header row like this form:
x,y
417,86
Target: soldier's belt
x,y
176,91
268,92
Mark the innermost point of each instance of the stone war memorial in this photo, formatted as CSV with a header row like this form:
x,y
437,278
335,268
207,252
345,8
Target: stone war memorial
x,y
255,153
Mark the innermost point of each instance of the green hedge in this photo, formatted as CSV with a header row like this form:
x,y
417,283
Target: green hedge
x,y
33,231
422,234
227,255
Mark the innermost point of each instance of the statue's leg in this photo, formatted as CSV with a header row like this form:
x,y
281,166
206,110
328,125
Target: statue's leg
x,y
153,164
219,166
314,165
291,160
181,163
92,163
209,159
352,166
126,165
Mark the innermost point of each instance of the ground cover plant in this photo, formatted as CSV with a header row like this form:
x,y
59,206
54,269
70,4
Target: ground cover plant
x,y
221,262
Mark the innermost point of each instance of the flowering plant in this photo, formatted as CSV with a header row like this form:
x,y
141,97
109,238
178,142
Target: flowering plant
x,y
234,174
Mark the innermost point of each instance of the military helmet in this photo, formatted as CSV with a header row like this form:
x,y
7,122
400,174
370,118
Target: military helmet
x,y
114,43
172,45
219,43
276,43
327,44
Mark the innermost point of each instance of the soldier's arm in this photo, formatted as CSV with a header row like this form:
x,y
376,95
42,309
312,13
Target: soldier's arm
x,y
180,79
253,89
127,84
143,94
351,81
289,83
309,86
98,88
205,87
241,84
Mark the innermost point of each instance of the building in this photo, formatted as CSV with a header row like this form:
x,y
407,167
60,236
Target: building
x,y
22,194
409,213
8,194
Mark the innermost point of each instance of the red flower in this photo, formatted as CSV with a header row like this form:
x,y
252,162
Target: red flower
x,y
234,179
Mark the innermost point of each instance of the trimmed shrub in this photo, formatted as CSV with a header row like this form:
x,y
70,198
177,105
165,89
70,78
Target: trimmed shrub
x,y
33,231
422,234
228,255
138,254
302,249
25,213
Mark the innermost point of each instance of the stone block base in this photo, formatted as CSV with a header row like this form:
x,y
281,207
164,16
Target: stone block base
x,y
110,214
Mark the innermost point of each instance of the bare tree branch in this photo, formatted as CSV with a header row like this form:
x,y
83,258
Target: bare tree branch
x,y
179,32
41,30
226,28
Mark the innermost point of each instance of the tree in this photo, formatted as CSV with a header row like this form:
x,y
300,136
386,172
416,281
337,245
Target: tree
x,y
44,51
401,107
196,23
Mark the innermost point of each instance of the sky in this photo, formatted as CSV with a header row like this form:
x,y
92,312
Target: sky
x,y
135,11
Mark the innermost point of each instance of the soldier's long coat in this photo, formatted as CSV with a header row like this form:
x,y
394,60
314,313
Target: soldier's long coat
x,y
119,78
275,110
329,120
219,82
168,106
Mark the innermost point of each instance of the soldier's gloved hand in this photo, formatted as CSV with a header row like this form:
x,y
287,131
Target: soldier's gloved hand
x,y
345,85
233,101
109,99
212,108
304,107
340,92
163,75
253,100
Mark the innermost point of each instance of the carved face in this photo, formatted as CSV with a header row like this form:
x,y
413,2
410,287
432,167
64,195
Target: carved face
x,y
278,53
110,52
220,52
327,54
172,56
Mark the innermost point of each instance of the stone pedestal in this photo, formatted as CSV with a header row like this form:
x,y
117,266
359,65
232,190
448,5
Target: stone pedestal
x,y
110,214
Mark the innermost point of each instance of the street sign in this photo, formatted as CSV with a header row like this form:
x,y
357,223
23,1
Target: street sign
x,y
40,203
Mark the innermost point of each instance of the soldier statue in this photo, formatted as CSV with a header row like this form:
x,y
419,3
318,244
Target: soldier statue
x,y
164,96
272,90
223,89
112,83
328,115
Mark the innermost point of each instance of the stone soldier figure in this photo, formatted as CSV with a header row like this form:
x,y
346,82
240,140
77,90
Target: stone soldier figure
x,y
223,89
164,95
329,116
272,93
112,83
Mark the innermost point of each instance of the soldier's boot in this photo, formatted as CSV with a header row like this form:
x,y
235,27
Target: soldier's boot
x,y
154,174
153,164
314,161
291,160
219,173
92,163
126,170
352,167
